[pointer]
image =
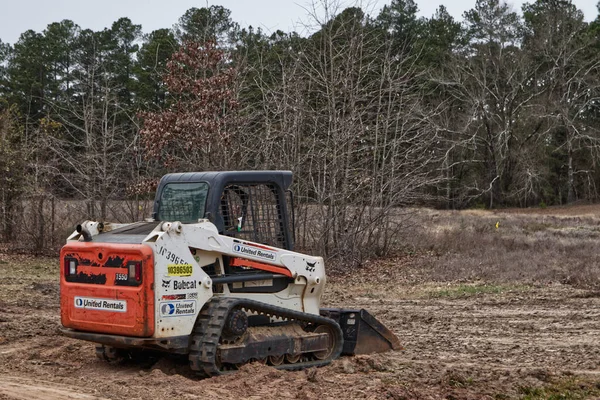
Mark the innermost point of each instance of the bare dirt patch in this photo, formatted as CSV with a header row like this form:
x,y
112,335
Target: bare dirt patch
x,y
497,336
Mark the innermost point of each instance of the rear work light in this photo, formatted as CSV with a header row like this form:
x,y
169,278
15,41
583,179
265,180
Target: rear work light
x,y
135,271
70,266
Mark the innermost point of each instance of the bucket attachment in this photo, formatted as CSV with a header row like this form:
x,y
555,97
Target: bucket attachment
x,y
363,333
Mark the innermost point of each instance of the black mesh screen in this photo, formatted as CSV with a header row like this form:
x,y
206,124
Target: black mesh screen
x,y
252,212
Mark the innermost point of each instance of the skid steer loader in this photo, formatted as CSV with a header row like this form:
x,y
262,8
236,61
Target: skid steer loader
x,y
212,275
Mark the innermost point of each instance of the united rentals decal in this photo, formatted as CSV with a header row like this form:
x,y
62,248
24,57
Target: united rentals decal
x,y
177,308
250,250
91,303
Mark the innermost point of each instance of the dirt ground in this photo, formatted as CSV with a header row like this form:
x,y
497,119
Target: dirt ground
x,y
463,340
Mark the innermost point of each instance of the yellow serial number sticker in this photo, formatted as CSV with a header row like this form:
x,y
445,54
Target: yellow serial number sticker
x,y
179,269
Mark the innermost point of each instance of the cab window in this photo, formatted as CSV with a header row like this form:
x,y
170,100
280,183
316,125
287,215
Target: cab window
x,y
184,202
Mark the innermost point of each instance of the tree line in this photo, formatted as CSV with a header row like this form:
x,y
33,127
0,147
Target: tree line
x,y
371,112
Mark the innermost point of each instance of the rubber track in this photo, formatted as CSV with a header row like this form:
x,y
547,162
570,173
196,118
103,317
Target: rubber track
x,y
207,332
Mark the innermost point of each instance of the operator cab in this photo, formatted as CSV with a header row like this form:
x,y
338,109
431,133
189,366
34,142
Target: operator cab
x,y
248,205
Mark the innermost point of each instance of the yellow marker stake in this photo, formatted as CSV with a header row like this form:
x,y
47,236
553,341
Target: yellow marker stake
x,y
497,224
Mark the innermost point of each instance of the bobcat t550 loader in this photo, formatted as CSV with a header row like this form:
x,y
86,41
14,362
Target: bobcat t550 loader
x,y
212,275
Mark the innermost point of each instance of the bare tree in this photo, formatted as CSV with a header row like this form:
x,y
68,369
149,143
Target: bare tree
x,y
561,45
488,87
92,139
347,115
12,174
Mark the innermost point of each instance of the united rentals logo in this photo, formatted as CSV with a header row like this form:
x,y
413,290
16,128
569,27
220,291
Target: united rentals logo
x,y
90,303
254,251
178,308
168,309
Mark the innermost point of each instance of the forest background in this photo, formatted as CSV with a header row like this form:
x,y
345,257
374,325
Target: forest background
x,y
372,113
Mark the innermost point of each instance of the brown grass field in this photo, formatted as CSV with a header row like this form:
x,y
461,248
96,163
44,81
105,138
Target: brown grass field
x,y
484,312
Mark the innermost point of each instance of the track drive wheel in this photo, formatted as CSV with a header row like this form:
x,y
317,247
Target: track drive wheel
x,y
235,325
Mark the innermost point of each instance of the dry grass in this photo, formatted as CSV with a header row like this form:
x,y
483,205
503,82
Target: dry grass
x,y
20,273
504,247
566,388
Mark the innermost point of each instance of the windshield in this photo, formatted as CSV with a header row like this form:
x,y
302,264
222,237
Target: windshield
x,y
183,202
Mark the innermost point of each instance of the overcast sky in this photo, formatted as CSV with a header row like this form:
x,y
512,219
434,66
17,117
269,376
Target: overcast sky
x,y
17,16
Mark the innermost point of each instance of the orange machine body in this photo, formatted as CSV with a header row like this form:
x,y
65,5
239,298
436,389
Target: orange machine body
x,y
112,289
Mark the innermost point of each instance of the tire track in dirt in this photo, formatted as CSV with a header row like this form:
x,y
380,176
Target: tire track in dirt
x,y
542,328
20,388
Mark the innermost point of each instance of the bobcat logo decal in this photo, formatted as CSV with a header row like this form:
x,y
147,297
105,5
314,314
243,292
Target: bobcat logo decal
x,y
166,284
310,267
